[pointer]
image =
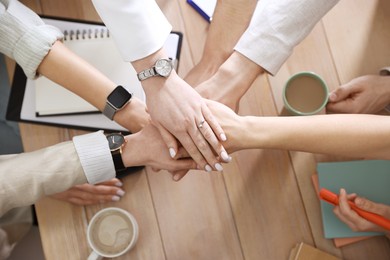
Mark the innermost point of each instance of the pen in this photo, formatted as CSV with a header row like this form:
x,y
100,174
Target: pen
x,y
333,198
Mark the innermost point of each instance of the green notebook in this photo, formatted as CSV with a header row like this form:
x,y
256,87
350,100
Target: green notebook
x,y
368,178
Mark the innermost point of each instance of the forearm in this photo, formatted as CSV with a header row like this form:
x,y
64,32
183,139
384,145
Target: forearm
x,y
234,15
365,136
27,177
235,81
73,73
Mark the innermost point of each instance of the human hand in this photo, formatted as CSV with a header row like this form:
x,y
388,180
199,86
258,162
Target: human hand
x,y
229,84
367,94
148,148
89,194
353,220
177,110
230,122
201,78
134,116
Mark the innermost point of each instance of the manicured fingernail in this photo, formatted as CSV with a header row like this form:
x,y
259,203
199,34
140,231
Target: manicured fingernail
x,y
176,177
172,152
118,184
219,167
120,193
208,168
115,198
223,137
225,156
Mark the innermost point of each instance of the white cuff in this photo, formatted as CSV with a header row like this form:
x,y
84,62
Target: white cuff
x,y
138,27
95,157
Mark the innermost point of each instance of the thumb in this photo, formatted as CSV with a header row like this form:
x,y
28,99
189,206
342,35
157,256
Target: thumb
x,y
169,140
340,93
377,208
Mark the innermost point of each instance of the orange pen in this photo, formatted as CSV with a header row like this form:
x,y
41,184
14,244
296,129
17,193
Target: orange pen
x,y
333,198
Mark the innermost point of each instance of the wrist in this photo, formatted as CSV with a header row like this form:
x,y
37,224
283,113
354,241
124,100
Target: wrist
x,y
131,155
236,79
152,85
154,70
134,116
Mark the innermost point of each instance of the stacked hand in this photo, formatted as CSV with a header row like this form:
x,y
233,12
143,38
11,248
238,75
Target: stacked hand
x,y
180,114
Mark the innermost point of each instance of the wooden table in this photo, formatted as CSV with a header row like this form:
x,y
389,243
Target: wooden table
x,y
264,202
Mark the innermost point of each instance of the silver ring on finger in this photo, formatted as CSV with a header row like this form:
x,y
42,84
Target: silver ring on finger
x,y
200,125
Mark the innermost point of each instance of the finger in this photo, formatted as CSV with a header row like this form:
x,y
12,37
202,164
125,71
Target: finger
x,y
112,182
351,215
194,151
345,209
377,208
341,93
210,130
100,189
205,148
178,175
95,198
169,140
344,106
338,213
212,121
80,197
183,164
182,153
351,196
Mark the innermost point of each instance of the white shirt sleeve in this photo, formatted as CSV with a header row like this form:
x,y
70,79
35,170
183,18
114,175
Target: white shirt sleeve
x,y
138,27
95,157
277,27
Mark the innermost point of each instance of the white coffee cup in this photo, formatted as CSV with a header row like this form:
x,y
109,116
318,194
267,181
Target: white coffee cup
x,y
111,233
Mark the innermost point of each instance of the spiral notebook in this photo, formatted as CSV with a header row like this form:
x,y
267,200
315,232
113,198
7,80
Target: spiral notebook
x,y
45,102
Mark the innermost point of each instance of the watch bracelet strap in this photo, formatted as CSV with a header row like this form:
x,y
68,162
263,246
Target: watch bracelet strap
x,y
118,162
109,110
146,74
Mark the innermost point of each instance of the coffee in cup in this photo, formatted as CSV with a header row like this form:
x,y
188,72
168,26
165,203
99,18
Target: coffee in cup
x,y
305,93
111,233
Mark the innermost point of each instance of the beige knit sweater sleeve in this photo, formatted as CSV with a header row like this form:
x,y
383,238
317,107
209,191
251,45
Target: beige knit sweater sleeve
x,y
24,37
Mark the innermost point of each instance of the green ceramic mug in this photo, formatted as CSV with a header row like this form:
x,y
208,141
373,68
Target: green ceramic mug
x,y
305,93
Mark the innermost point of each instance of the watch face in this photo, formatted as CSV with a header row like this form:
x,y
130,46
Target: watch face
x,y
163,67
115,141
119,97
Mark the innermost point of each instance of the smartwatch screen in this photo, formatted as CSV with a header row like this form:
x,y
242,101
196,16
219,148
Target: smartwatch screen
x,y
119,97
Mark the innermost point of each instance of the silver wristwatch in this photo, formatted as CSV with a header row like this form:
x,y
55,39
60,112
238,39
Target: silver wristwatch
x,y
162,68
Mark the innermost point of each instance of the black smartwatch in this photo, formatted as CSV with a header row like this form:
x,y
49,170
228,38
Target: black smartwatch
x,y
116,101
116,142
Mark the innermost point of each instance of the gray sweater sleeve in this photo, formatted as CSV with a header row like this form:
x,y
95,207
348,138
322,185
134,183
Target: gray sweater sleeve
x,y
24,37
